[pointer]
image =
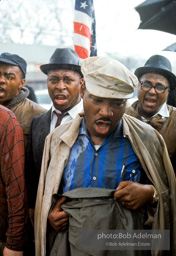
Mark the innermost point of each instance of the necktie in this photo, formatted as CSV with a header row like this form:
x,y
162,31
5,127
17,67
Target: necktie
x,y
156,122
59,118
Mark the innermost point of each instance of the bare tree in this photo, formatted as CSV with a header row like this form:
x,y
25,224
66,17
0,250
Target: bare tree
x,y
37,21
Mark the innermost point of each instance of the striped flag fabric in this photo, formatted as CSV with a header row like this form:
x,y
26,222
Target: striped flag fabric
x,y
85,29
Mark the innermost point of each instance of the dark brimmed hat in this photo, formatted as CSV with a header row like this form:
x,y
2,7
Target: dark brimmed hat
x,y
14,59
160,65
63,58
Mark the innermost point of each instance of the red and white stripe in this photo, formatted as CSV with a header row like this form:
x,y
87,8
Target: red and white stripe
x,y
82,34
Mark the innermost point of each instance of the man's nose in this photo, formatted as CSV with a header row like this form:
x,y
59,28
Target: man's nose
x,y
106,110
2,79
60,84
152,91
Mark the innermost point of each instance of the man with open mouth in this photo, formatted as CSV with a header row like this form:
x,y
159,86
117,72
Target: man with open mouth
x,y
64,79
155,81
103,170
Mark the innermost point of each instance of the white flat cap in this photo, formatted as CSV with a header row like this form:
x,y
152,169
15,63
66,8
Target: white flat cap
x,y
108,78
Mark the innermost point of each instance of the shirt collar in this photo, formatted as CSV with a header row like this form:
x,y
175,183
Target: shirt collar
x,y
72,112
164,112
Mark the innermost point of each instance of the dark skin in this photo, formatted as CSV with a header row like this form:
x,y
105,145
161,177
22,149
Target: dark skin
x,y
101,121
64,88
150,102
58,219
133,195
11,82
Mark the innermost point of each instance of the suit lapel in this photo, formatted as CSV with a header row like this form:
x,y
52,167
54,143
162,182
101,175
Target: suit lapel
x,y
46,123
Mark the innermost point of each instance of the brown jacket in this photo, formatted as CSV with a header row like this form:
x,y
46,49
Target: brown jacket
x,y
153,157
166,127
25,110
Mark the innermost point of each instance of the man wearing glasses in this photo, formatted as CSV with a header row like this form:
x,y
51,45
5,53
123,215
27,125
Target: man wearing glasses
x,y
155,81
103,149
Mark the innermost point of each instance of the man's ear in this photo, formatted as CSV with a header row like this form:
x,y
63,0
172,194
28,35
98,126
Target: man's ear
x,y
82,88
22,83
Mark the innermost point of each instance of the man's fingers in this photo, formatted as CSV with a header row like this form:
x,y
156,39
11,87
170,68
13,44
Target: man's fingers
x,y
123,184
121,190
60,202
58,220
57,216
119,194
134,195
61,222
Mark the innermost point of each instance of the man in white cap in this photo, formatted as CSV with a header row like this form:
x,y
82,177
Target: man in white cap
x,y
103,149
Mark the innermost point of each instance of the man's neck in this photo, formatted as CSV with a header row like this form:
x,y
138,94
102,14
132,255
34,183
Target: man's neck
x,y
147,115
97,140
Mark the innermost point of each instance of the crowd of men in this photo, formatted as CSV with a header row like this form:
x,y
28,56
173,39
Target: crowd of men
x,y
91,162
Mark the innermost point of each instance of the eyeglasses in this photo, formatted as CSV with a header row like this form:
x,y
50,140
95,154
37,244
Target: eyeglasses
x,y
147,86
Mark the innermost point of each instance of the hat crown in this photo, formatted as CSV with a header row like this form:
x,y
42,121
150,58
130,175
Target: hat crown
x,y
65,56
14,59
158,61
159,65
108,78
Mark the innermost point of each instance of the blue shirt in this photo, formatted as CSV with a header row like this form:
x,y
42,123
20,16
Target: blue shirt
x,y
113,162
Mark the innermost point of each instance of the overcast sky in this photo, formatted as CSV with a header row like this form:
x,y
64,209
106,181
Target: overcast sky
x,y
117,23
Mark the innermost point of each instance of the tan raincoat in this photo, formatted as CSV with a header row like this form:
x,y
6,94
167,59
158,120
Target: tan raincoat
x,y
151,150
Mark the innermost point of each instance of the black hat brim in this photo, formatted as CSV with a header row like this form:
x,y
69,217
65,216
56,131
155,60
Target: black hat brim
x,y
169,75
48,67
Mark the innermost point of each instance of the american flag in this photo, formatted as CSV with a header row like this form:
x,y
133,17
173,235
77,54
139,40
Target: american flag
x,y
84,29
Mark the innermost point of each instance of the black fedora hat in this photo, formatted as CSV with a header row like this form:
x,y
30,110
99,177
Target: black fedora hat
x,y
63,58
160,65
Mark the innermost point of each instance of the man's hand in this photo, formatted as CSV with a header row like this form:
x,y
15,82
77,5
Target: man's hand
x,y
58,219
133,195
8,252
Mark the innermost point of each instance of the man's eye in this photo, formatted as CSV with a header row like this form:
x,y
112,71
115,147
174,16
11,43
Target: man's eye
x,y
97,100
9,78
53,80
119,104
160,87
147,85
67,80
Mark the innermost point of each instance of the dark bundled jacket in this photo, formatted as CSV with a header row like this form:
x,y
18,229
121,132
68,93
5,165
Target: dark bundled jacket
x,y
166,127
25,110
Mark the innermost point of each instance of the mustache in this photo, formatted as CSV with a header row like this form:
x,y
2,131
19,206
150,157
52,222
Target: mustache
x,y
105,119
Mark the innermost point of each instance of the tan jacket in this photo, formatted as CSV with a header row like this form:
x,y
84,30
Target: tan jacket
x,y
25,111
153,157
166,127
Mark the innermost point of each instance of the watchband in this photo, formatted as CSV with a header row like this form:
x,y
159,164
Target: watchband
x,y
155,195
